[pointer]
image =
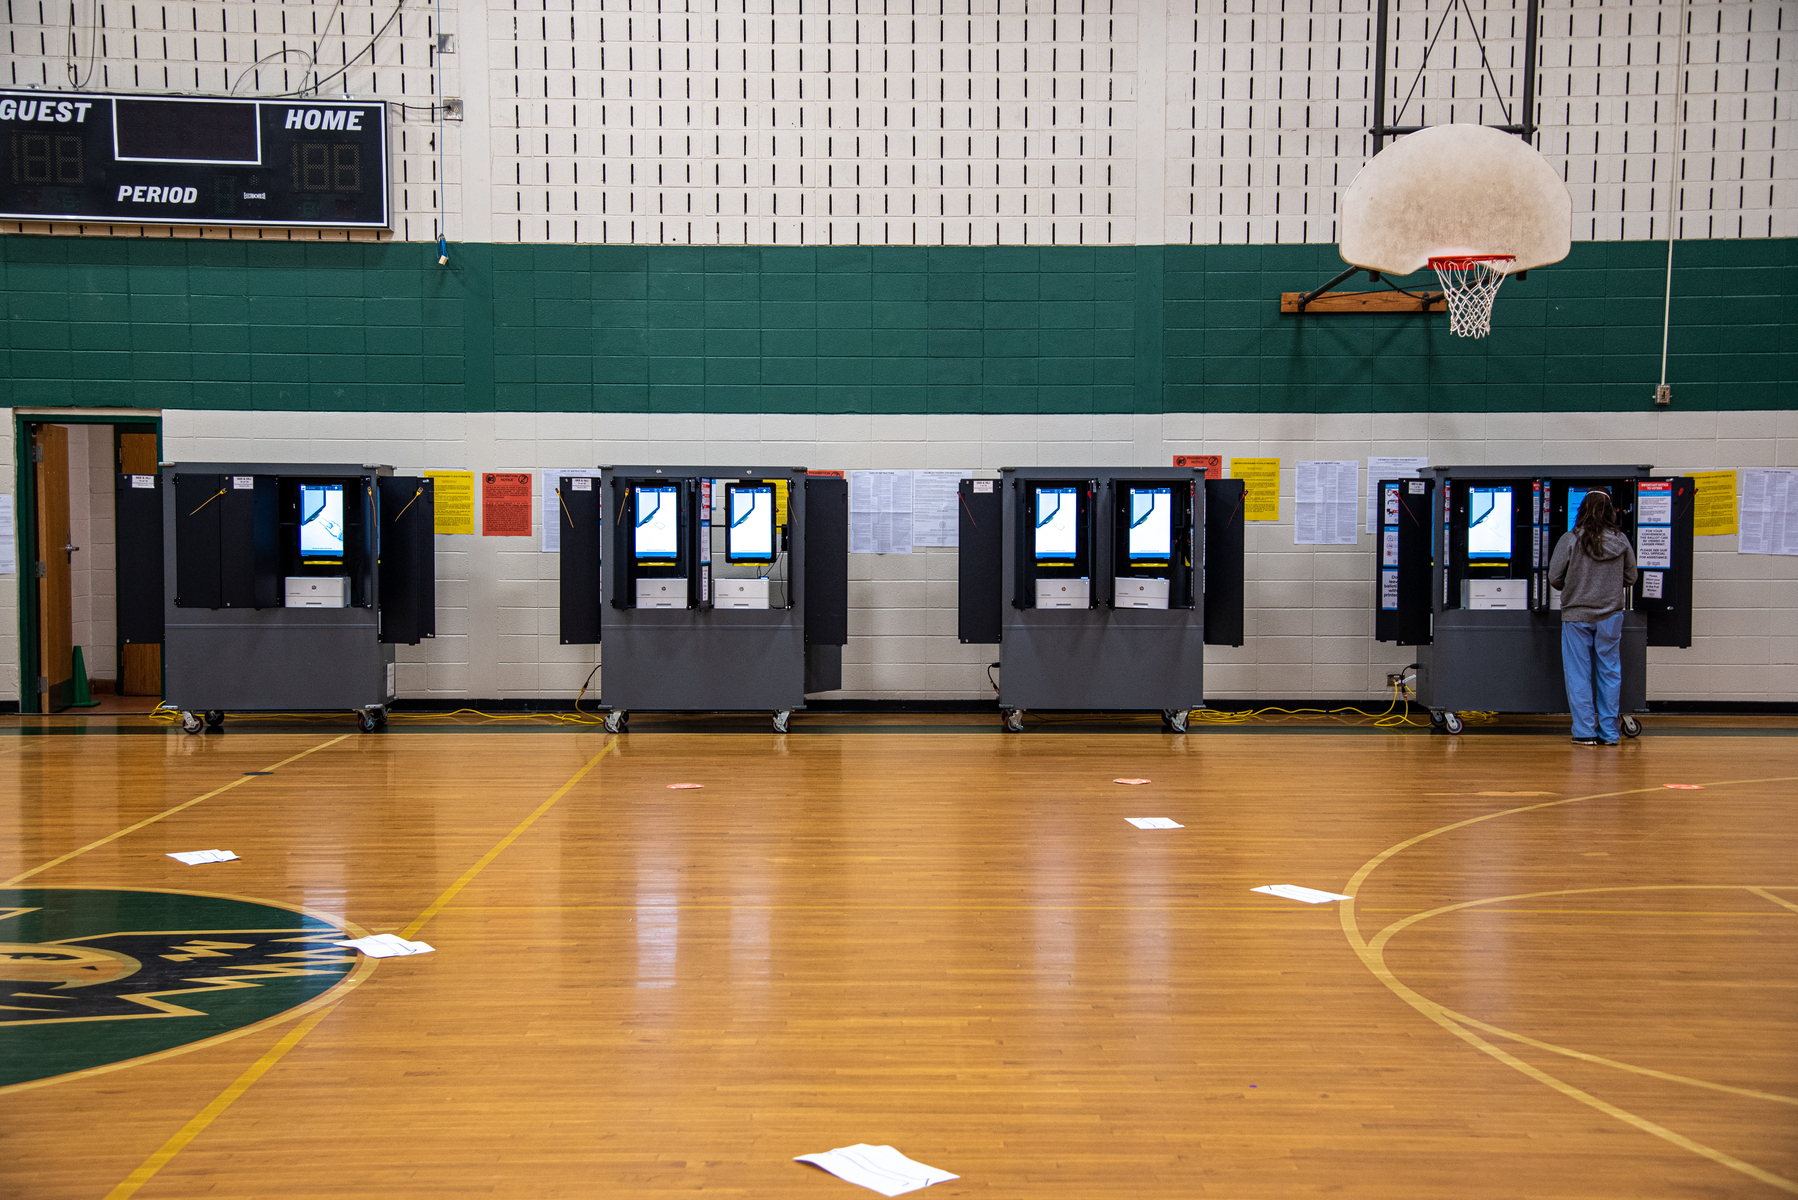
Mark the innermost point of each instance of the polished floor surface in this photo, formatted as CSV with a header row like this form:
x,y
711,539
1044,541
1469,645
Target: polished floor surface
x,y
1558,976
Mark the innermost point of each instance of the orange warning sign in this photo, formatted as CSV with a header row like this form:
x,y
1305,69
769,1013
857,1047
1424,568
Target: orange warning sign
x,y
1211,464
506,503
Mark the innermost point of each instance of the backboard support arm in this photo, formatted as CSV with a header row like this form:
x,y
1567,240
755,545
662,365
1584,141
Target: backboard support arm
x,y
1524,128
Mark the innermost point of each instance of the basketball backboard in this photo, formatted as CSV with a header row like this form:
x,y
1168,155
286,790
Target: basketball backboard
x,y
1456,190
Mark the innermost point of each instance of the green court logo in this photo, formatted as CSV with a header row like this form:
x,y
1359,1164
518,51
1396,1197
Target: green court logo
x,y
94,977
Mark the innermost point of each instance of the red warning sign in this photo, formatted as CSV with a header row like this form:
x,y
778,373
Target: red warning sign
x,y
506,503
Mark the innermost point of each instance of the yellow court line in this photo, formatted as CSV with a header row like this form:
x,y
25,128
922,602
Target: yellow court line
x,y
1600,1060
453,889
260,1067
167,812
1385,935
220,1103
1374,960
1764,894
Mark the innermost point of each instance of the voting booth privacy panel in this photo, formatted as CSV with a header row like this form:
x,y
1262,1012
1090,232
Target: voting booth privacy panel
x,y
1101,585
727,588
1464,564
289,584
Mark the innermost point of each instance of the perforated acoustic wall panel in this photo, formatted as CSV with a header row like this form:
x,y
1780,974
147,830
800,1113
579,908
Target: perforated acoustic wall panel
x,y
975,122
833,122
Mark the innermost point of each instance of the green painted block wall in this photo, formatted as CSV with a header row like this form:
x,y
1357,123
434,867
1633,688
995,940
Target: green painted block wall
x,y
560,328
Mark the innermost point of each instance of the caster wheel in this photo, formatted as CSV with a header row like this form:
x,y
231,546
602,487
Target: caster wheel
x,y
192,722
1176,718
215,718
1453,723
1435,720
782,719
1632,727
616,720
366,722
1014,720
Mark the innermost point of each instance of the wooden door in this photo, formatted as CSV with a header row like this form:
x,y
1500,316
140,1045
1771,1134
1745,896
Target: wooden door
x,y
140,663
55,622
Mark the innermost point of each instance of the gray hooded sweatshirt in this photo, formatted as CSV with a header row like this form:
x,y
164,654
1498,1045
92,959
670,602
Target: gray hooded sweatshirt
x,y
1592,588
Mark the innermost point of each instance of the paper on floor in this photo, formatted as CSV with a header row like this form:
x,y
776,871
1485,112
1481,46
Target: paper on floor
x,y
194,858
1293,891
1131,781
386,945
878,1168
1154,823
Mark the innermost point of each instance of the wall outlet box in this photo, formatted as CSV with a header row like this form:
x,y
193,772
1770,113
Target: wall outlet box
x,y
1063,593
1495,593
1141,593
318,591
740,593
661,593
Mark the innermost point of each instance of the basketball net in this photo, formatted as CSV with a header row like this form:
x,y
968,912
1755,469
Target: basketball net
x,y
1470,284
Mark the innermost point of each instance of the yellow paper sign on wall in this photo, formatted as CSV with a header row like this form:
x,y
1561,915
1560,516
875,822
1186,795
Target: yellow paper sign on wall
x,y
455,500
1714,510
1261,493
780,503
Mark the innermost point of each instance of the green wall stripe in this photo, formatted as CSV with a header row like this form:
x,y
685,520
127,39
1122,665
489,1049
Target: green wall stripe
x,y
1151,326
1011,329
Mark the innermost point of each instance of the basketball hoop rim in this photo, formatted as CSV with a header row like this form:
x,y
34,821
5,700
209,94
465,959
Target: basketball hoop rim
x,y
1460,262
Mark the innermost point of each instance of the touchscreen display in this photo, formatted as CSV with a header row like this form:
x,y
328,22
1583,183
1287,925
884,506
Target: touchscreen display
x,y
1057,527
1488,524
751,531
1576,496
321,521
658,524
1151,524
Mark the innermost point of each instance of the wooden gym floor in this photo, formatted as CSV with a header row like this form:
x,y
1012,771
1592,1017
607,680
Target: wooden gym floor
x,y
1558,977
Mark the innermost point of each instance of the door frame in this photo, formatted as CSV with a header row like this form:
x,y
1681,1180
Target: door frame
x,y
25,519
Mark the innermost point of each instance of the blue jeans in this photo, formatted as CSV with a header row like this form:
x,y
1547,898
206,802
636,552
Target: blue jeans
x,y
1591,648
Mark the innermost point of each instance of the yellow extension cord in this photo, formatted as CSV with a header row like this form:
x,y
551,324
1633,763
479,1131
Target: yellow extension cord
x,y
1388,719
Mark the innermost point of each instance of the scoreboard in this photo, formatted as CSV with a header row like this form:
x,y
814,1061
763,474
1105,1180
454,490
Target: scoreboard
x,y
193,160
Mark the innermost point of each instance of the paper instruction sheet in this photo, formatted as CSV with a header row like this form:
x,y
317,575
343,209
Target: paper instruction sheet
x,y
878,1168
1323,494
936,507
9,541
880,512
1769,515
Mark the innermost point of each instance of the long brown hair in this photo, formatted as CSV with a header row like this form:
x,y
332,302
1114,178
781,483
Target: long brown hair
x,y
1597,517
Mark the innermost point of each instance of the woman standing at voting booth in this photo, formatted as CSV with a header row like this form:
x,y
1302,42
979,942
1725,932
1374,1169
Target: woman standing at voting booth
x,y
1594,568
